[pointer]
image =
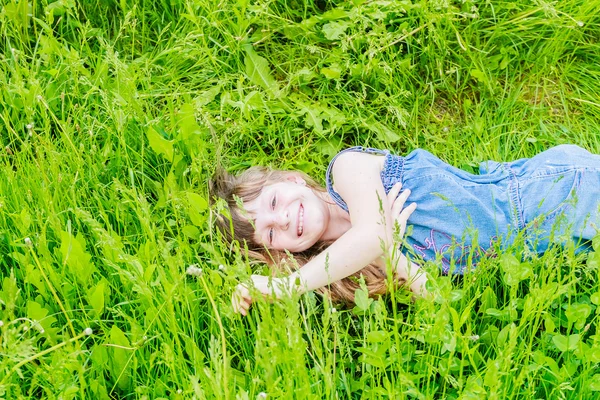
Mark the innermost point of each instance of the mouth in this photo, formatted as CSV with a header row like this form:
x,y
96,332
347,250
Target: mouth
x,y
300,222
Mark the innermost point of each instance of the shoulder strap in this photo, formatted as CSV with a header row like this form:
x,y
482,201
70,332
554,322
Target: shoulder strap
x,y
328,181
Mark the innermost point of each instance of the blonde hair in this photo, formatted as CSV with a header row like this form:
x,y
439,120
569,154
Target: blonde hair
x,y
246,187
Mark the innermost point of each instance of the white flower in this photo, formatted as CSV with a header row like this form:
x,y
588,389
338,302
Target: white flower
x,y
1,323
28,242
261,395
474,338
579,23
333,310
29,126
221,267
179,391
88,331
194,270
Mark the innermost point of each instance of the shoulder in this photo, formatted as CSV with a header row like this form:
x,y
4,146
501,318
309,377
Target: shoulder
x,y
352,165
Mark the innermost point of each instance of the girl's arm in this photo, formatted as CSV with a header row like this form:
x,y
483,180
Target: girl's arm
x,y
410,272
358,181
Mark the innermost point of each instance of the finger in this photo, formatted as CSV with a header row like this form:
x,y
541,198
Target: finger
x,y
399,203
403,218
241,298
242,307
407,212
235,304
394,192
243,292
245,306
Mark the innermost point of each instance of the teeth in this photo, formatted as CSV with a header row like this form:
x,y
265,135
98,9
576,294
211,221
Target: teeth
x,y
301,221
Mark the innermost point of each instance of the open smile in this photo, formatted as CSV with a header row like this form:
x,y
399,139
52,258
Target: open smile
x,y
300,222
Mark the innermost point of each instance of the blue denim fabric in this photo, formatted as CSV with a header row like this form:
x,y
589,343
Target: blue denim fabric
x,y
553,197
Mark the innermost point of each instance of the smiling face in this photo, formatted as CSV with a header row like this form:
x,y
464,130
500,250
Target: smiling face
x,y
288,215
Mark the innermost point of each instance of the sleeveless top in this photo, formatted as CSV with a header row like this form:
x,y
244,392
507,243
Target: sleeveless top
x,y
459,215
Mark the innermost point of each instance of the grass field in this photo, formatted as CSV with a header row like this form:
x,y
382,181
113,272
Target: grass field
x,y
114,114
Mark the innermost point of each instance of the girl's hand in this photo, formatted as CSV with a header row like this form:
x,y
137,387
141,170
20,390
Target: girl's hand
x,y
408,271
399,214
269,287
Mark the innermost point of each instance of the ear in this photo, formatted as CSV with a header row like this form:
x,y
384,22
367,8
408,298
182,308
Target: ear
x,y
295,177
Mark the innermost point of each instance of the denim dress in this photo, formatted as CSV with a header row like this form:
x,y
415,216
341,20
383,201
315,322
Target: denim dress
x,y
551,198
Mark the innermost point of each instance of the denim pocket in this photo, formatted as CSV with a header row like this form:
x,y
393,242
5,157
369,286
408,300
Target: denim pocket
x,y
550,206
548,195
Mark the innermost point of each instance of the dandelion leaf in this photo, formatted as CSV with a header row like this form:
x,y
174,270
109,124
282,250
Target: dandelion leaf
x,y
259,73
159,144
75,257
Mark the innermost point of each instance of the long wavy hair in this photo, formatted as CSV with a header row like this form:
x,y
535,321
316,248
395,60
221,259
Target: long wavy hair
x,y
247,186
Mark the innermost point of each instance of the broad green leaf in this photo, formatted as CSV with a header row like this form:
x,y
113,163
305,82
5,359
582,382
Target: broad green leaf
x,y
372,356
565,343
25,220
41,316
188,127
595,298
383,132
592,355
215,279
58,8
120,355
207,96
196,209
491,374
313,119
377,336
74,255
593,383
316,112
362,300
259,73
159,144
505,334
332,72
514,270
96,298
477,74
99,356
334,30
449,345
593,261
34,277
197,201
98,389
488,299
191,231
577,314
549,323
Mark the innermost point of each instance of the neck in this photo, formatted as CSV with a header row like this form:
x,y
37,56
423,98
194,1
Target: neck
x,y
339,220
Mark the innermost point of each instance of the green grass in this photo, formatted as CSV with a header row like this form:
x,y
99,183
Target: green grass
x,y
114,114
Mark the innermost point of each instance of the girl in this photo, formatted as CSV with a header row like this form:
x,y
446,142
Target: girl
x,y
336,233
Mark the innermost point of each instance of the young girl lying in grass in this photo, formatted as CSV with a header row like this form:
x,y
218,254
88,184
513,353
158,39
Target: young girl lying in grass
x,y
455,217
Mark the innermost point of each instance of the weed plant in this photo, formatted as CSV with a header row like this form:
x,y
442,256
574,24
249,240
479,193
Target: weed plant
x,y
114,114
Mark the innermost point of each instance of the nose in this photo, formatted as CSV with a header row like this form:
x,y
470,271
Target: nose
x,y
282,218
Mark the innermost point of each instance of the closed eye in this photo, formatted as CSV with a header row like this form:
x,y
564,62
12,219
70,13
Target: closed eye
x,y
273,202
271,233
